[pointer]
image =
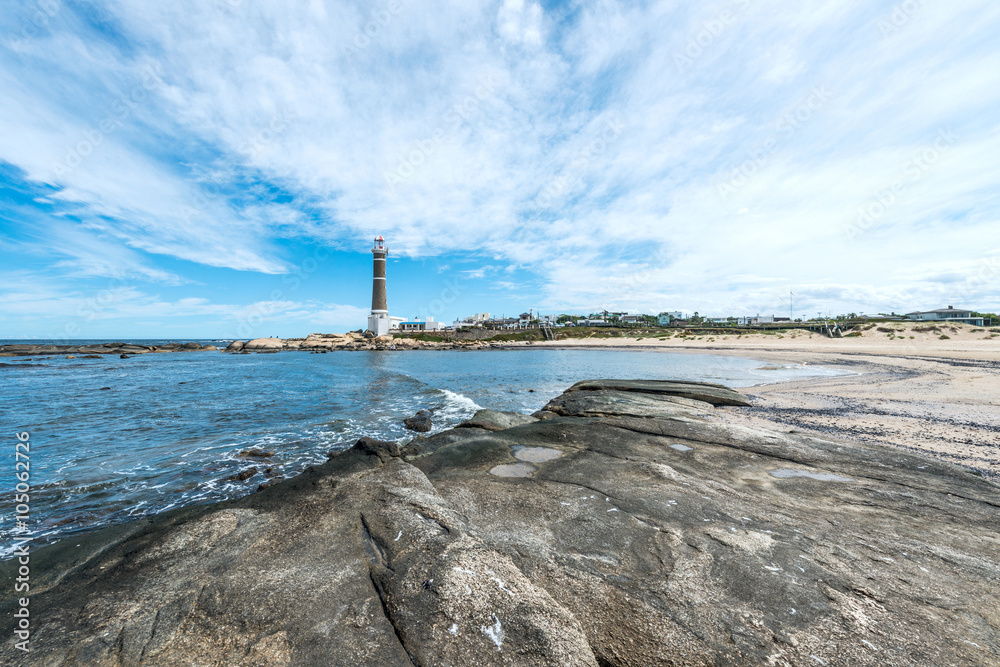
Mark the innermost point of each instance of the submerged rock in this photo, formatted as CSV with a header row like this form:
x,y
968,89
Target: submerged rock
x,y
420,422
257,453
632,526
243,475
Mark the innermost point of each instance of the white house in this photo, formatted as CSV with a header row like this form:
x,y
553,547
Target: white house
x,y
949,314
755,319
416,325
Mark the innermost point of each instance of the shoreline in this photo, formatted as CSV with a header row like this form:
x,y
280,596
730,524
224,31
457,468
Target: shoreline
x,y
939,398
942,406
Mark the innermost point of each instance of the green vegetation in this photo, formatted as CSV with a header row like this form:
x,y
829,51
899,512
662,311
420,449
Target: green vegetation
x,y
429,338
520,335
944,337
990,318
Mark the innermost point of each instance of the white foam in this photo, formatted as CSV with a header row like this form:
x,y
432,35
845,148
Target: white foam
x,y
459,403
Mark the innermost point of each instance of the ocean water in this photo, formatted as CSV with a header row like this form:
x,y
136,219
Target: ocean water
x,y
115,439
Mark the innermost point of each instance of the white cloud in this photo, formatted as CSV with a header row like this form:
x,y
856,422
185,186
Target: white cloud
x,y
495,118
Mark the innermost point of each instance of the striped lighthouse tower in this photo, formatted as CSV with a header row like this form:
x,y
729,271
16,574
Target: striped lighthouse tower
x,y
378,321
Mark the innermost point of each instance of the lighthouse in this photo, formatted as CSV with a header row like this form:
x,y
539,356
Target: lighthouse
x,y
378,321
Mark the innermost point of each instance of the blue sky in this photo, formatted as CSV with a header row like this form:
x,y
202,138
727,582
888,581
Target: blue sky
x,y
219,168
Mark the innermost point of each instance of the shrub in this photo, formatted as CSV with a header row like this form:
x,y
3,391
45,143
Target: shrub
x,y
944,337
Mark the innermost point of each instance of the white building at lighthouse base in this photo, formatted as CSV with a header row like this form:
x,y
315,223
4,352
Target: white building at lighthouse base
x,y
382,324
379,323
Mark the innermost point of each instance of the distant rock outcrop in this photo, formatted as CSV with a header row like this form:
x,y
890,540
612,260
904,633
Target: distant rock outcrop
x,y
628,524
264,344
123,350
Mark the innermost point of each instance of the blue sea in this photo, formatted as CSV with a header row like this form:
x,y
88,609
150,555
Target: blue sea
x,y
113,440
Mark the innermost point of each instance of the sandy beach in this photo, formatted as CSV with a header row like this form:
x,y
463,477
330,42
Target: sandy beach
x,y
907,387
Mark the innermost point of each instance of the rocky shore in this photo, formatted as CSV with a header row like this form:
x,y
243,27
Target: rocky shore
x,y
311,343
355,340
627,523
31,349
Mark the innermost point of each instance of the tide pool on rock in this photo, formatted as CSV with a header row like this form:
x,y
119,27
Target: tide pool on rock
x,y
619,551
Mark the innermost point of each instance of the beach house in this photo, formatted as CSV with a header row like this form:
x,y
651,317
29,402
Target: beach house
x,y
949,314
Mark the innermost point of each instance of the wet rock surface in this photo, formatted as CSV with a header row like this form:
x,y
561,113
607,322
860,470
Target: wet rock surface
x,y
496,420
645,531
420,422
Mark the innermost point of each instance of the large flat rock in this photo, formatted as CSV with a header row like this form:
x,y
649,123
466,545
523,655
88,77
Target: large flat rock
x,y
653,533
715,394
